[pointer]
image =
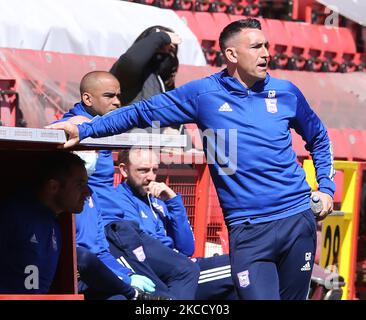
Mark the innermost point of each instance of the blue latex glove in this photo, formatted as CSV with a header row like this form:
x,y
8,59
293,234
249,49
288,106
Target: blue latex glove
x,y
142,282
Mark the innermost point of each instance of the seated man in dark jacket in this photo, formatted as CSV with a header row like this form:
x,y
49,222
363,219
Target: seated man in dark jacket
x,y
30,237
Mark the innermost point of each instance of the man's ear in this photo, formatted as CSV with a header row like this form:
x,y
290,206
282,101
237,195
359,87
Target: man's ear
x,y
53,186
87,99
123,170
231,55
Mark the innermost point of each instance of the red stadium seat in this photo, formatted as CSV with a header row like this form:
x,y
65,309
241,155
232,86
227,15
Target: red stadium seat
x,y
224,240
189,19
338,195
234,17
341,146
279,42
203,26
209,35
349,50
206,25
357,143
332,47
184,5
316,46
298,144
221,20
299,45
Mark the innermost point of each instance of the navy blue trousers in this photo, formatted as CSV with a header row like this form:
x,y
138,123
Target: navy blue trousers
x,y
126,244
215,282
273,260
208,278
174,275
97,281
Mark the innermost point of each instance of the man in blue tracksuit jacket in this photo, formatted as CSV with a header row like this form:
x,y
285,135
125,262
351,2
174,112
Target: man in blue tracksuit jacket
x,y
99,94
93,253
30,235
159,212
246,116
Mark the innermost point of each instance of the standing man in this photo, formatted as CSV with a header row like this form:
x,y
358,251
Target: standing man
x,y
30,237
262,190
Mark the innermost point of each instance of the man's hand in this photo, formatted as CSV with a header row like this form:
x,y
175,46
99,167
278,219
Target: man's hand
x,y
161,190
174,37
71,130
142,282
327,202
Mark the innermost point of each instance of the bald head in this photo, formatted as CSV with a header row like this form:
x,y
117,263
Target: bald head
x,y
91,80
100,91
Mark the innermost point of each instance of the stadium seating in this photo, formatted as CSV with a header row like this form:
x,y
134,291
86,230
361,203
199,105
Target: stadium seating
x,y
341,146
357,143
279,42
298,144
299,48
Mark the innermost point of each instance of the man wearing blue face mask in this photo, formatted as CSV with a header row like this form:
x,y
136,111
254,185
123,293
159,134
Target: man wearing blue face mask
x,y
100,92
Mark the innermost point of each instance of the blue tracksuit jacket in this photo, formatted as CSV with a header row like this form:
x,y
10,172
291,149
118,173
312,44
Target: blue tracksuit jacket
x,y
104,170
151,217
247,141
90,235
29,236
89,225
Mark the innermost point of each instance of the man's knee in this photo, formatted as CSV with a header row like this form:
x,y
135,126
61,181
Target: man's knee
x,y
85,259
189,269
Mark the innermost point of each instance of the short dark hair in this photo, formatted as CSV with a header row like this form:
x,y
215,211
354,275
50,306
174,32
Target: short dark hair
x,y
56,165
151,30
235,27
124,155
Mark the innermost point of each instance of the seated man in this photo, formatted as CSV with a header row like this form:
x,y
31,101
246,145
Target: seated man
x,y
30,237
100,92
159,212
100,273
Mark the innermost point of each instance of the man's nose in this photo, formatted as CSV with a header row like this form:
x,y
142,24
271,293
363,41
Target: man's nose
x,y
116,101
150,176
265,52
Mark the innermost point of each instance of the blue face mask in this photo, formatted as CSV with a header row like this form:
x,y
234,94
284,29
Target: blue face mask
x,y
90,158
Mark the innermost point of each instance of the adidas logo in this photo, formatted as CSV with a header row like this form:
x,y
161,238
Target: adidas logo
x,y
143,214
33,239
225,108
306,267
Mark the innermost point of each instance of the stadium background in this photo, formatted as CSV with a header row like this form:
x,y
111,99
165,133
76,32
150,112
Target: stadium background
x,y
45,49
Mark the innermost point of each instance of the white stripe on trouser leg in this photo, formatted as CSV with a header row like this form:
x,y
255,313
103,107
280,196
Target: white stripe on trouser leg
x,y
124,262
222,276
216,269
215,274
